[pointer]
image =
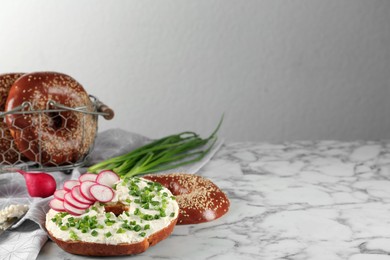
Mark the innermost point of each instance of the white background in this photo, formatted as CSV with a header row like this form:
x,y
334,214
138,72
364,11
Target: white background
x,y
278,69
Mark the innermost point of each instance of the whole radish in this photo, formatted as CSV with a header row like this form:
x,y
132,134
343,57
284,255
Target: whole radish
x,y
39,184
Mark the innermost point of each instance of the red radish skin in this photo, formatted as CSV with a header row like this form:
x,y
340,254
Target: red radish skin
x,y
59,194
84,189
101,193
76,194
88,177
39,184
57,205
70,200
108,178
68,185
72,210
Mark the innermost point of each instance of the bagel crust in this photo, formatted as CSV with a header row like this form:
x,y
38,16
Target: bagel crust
x,y
96,249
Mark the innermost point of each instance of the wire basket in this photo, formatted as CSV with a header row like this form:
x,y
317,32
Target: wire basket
x,y
11,158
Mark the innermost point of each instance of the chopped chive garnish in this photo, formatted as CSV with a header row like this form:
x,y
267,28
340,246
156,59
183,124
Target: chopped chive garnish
x,y
120,231
137,228
109,222
155,203
63,228
73,235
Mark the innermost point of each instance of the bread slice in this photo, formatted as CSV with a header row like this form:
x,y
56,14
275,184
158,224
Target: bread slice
x,y
94,249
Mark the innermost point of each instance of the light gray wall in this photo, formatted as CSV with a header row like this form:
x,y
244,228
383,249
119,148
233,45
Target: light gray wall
x,y
277,69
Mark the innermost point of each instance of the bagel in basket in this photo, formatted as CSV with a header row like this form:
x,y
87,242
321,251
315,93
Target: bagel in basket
x,y
56,137
8,152
140,214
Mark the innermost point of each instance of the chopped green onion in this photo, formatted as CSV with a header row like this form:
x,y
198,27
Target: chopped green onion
x,y
63,228
137,228
155,203
120,231
73,235
109,222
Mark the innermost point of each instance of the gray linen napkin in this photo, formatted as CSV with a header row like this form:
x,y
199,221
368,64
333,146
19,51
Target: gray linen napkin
x,y
26,238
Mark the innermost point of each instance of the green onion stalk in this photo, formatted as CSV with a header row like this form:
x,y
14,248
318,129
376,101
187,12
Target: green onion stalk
x,y
160,155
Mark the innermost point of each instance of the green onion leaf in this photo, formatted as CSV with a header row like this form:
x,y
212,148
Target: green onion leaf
x,y
163,154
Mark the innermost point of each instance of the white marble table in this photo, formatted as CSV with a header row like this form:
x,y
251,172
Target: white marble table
x,y
301,200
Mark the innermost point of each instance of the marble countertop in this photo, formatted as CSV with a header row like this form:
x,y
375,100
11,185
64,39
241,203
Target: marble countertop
x,y
301,200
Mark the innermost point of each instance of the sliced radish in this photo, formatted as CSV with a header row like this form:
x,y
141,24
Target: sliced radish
x,y
59,194
102,193
108,178
68,185
72,210
70,200
84,189
76,194
88,177
57,205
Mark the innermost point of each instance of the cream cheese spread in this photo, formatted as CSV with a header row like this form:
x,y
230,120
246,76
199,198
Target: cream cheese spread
x,y
12,211
152,207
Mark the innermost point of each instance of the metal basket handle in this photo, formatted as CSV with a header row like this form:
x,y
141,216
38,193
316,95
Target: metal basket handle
x,y
107,112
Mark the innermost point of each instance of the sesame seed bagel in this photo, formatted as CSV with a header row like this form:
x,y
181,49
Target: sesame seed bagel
x,y
51,138
199,199
141,214
7,149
